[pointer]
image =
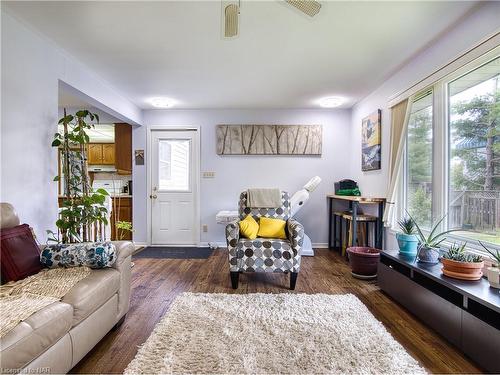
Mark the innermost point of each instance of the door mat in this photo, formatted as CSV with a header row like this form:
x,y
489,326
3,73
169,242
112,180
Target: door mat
x,y
164,252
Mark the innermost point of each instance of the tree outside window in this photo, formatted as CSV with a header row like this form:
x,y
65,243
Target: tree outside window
x,y
419,161
474,164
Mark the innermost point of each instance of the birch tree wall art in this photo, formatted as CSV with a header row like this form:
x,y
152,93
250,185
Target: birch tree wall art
x,y
269,139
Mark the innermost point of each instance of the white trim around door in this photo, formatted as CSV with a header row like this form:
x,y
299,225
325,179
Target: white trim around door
x,y
192,133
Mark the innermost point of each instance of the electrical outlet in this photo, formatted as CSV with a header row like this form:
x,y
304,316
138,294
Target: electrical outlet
x,y
205,228
208,174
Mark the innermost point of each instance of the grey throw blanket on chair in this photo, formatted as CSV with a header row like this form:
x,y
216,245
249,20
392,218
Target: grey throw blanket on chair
x,y
264,198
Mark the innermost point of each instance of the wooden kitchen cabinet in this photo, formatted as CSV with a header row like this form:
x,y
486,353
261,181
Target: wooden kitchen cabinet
x,y
108,154
123,148
94,153
122,207
101,154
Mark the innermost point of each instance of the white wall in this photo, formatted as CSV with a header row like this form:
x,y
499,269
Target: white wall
x,y
31,69
236,173
481,23
104,118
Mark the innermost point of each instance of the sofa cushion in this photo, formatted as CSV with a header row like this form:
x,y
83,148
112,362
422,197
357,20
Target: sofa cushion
x,y
90,254
19,252
272,228
249,227
35,335
92,292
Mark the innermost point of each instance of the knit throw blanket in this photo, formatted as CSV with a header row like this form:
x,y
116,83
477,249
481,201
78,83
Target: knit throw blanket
x,y
19,300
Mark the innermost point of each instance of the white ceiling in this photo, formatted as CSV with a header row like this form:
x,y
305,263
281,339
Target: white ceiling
x,y
282,58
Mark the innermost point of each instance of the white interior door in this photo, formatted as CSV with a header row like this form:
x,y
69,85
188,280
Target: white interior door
x,y
174,187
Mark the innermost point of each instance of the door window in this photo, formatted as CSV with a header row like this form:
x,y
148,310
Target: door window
x,y
174,164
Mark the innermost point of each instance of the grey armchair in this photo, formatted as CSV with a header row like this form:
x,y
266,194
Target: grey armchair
x,y
265,254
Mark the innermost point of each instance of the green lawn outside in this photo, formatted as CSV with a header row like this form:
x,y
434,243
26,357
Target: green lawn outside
x,y
480,236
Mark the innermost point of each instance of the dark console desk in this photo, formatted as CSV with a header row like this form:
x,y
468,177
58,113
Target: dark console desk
x,y
466,313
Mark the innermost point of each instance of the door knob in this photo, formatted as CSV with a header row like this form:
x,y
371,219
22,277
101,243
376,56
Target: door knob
x,y
153,196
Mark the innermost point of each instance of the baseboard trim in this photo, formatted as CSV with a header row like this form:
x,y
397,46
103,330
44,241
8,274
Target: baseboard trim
x,y
320,245
317,245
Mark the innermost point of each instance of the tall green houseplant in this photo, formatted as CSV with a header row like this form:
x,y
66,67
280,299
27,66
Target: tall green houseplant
x,y
82,208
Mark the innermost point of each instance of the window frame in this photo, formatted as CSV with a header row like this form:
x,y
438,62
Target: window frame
x,y
441,151
420,95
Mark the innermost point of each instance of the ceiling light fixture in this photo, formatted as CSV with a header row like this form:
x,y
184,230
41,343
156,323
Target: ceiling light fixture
x,y
161,102
331,101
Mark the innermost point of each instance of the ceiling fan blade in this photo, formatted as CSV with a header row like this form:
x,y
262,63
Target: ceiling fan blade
x,y
309,7
231,20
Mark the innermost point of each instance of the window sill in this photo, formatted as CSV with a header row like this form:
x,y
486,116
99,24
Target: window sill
x,y
473,246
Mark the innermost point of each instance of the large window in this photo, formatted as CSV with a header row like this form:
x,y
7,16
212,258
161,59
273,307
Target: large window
x,y
474,157
419,160
452,165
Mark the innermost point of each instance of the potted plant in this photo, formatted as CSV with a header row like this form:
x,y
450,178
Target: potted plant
x,y
428,247
363,261
122,227
461,265
493,272
82,208
407,240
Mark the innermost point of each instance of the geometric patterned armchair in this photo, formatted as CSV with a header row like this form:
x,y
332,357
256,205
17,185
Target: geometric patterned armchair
x,y
265,254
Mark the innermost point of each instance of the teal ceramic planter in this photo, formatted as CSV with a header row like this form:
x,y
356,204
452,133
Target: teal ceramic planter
x,y
408,243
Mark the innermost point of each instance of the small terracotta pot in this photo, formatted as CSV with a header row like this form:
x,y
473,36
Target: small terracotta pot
x,y
462,270
364,260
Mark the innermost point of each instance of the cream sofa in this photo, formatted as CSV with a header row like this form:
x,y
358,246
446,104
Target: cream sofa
x,y
56,338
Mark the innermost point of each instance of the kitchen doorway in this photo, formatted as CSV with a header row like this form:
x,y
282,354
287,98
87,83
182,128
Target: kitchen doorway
x,y
174,186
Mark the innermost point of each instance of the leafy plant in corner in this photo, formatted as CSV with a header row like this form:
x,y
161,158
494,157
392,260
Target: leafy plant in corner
x,y
82,208
122,227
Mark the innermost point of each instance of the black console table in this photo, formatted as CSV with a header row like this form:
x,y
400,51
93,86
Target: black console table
x,y
466,313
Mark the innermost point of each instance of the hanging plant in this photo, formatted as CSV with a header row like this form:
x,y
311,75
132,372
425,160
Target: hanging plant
x,y
82,208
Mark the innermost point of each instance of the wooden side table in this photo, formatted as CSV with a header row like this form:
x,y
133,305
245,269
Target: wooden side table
x,y
354,202
363,222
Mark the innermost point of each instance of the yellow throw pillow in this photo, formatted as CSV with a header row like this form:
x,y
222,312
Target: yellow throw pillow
x,y
272,228
249,227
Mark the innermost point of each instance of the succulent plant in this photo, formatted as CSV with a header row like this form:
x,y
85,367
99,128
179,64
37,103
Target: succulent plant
x,y
433,240
458,253
407,225
495,254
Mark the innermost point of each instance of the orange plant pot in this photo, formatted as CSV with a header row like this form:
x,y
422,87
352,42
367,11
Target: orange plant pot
x,y
462,270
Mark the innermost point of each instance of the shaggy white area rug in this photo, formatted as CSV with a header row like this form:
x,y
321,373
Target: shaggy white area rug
x,y
271,334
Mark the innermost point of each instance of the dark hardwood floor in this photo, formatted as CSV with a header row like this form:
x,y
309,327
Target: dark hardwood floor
x,y
156,283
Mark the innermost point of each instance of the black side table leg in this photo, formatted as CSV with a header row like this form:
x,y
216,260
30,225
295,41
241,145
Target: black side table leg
x,y
354,224
380,226
334,246
330,223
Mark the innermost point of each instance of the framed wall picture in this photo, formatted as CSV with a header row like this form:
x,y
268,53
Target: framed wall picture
x,y
371,141
269,139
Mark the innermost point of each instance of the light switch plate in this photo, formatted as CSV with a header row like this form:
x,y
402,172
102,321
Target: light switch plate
x,y
208,174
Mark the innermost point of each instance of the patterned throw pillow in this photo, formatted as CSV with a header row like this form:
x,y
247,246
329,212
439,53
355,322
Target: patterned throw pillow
x,y
91,254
